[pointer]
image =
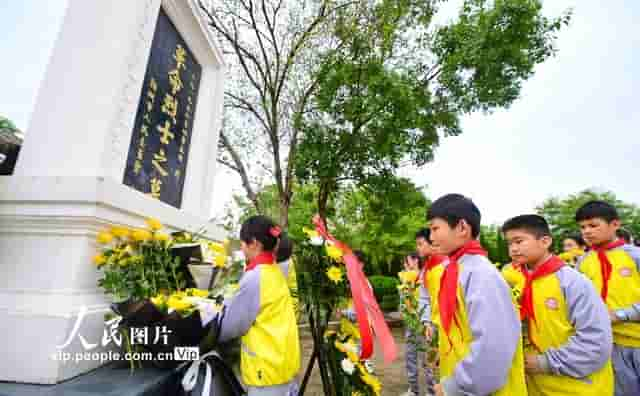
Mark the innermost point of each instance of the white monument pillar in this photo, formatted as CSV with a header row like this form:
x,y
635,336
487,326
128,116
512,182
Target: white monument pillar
x,y
70,178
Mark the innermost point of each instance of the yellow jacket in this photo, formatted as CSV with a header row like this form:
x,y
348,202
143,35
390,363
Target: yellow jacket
x,y
624,288
261,312
483,355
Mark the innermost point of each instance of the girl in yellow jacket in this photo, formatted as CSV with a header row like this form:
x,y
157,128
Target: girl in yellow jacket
x,y
262,314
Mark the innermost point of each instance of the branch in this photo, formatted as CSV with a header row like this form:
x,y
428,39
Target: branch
x,y
240,169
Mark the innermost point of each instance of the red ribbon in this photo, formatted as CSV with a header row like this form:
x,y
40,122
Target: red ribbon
x,y
263,258
364,302
605,264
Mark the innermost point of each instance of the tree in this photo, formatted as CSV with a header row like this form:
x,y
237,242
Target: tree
x,y
271,48
560,212
406,81
492,240
381,220
386,96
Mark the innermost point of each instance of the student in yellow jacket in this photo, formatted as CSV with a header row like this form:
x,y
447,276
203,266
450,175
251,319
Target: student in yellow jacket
x,y
568,346
479,329
261,313
614,268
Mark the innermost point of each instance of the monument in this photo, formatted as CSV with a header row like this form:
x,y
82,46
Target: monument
x,y
125,127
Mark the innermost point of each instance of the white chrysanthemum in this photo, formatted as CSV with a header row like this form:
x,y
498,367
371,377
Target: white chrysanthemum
x,y
348,366
316,241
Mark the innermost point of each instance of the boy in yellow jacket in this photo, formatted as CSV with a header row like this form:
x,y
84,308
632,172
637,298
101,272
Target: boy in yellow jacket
x,y
261,313
568,346
479,329
614,268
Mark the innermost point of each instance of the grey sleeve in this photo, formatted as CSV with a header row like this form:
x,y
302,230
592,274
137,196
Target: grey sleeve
x,y
495,327
590,347
242,309
633,312
424,304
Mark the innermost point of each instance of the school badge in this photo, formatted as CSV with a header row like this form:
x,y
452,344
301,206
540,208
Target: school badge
x,y
551,303
625,272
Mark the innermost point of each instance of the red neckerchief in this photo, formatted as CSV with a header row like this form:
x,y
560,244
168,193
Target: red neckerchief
x,y
433,261
262,258
605,264
448,295
551,266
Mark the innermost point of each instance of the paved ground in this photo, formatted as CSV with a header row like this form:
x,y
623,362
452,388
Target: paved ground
x,y
393,377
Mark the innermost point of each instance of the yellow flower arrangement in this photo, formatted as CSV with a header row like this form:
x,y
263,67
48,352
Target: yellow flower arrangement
x,y
104,238
153,224
141,235
99,260
120,232
160,236
220,261
335,274
334,253
198,292
178,302
218,248
408,276
310,233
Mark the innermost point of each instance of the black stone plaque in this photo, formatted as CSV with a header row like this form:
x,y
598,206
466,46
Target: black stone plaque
x,y
159,149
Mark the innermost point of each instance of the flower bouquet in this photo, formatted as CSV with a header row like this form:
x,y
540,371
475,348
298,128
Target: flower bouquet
x,y
156,303
330,276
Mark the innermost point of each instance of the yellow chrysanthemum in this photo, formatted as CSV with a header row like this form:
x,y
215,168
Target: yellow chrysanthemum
x,y
356,393
217,248
512,276
99,260
154,224
335,274
408,276
334,252
160,236
178,303
104,238
141,235
220,261
349,329
198,292
159,300
310,233
120,232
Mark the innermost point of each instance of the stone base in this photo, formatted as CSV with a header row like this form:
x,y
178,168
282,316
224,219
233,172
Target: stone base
x,y
48,227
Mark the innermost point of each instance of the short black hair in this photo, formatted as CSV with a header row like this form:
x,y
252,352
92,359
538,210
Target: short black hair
x,y
597,209
259,228
578,238
533,224
285,248
455,207
424,233
624,234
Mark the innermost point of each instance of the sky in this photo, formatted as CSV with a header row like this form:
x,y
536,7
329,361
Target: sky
x,y
574,127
